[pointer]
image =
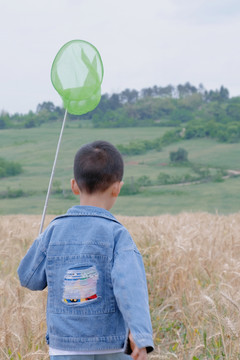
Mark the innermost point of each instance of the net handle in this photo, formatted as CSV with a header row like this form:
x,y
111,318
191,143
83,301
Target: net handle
x,y
52,174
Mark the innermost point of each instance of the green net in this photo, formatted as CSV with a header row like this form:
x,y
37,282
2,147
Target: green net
x,y
76,74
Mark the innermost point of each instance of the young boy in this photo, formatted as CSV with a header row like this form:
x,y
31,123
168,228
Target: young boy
x,y
97,305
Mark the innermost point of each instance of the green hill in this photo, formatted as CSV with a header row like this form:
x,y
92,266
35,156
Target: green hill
x,y
153,184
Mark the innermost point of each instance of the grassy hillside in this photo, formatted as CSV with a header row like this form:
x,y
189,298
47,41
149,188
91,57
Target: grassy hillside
x,y
193,273
35,149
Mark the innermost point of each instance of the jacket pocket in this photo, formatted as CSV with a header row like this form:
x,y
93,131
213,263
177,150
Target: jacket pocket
x,y
80,285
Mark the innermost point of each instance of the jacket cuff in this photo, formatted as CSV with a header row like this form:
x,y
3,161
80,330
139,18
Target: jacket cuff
x,y
145,342
141,342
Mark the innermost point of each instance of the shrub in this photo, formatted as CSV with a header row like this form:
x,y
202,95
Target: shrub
x,y
144,181
130,187
138,147
181,155
12,194
56,187
218,177
163,179
195,130
170,137
9,168
203,172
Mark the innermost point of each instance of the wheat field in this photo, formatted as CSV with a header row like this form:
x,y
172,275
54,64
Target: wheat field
x,y
192,264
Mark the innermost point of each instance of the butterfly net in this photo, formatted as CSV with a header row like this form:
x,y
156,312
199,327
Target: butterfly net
x,y
77,74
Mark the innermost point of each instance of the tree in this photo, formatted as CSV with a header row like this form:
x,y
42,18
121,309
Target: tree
x,y
233,110
186,90
166,91
221,95
4,120
47,106
146,92
192,102
129,96
182,115
224,93
114,102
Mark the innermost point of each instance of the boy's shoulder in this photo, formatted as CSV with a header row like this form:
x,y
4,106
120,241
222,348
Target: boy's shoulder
x,y
96,221
90,216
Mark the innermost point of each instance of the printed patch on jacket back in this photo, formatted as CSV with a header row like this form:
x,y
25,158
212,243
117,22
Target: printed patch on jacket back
x,y
80,285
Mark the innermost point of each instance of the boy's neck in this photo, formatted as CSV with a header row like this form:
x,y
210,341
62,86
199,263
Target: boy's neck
x,y
105,199
98,200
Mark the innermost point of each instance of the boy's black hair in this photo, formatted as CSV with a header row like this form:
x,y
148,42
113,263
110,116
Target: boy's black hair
x,y
97,166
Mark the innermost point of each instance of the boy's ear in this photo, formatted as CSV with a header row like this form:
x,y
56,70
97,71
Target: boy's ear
x,y
116,188
75,188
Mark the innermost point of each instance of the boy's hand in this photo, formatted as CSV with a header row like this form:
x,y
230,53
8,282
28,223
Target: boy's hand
x,y
137,354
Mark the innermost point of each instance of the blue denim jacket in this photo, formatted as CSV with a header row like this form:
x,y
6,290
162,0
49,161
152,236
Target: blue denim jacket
x,y
96,282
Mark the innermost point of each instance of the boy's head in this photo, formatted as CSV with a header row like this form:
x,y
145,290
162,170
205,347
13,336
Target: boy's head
x,y
97,166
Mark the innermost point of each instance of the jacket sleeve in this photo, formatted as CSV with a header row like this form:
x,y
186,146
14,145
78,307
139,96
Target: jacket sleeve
x,y
130,290
31,270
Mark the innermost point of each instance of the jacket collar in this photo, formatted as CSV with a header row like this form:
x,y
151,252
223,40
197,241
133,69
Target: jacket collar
x,y
79,210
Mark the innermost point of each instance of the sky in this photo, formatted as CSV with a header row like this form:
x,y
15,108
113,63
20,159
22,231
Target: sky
x,y
142,44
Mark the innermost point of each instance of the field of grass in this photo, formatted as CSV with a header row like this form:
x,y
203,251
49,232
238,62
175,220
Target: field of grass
x,y
35,149
193,273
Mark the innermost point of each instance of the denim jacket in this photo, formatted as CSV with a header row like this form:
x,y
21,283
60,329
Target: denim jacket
x,y
96,282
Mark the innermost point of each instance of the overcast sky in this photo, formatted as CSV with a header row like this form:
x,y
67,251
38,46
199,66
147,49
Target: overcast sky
x,y
142,43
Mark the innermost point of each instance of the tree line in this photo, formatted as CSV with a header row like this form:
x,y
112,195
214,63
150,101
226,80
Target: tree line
x,y
195,110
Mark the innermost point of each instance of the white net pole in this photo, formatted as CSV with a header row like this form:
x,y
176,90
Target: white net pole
x,y
52,174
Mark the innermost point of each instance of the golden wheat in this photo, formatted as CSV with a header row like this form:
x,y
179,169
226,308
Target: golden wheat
x,y
192,264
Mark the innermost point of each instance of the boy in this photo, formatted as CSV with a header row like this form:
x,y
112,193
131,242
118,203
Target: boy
x,y
97,305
